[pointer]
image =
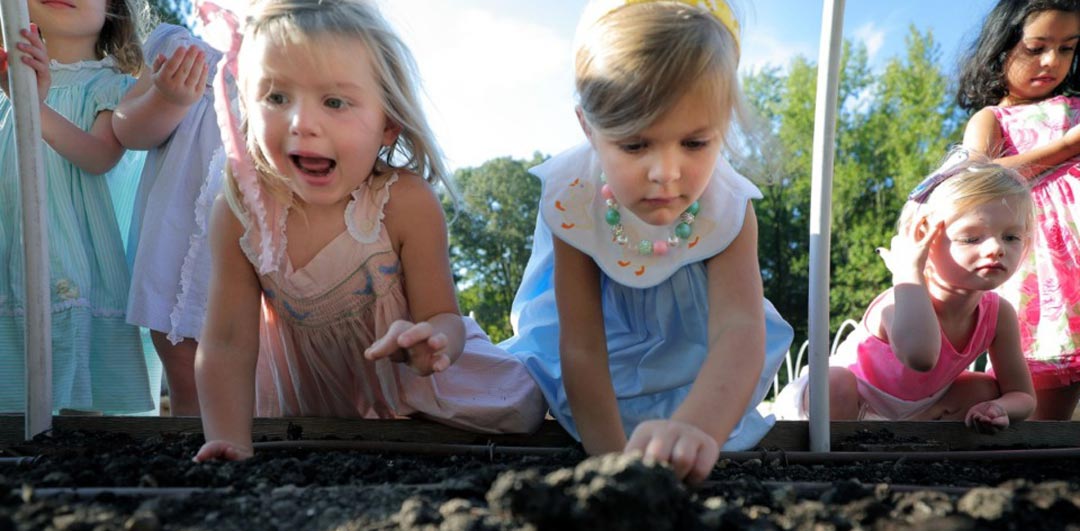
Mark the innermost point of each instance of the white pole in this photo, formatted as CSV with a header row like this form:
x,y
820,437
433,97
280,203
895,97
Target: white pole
x,y
38,325
828,83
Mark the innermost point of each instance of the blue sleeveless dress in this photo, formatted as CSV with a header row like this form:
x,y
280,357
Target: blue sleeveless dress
x,y
98,360
655,308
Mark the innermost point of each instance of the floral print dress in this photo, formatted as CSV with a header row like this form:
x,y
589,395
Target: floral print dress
x,y
1046,289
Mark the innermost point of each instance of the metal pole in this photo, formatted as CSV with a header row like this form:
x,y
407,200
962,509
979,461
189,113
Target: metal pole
x,y
30,159
828,82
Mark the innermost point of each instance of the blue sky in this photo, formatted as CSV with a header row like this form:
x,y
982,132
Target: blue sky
x,y
498,73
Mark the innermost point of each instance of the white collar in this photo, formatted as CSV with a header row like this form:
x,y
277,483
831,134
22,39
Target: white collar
x,y
574,210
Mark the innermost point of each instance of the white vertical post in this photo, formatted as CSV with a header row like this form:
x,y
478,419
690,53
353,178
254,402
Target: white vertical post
x,y
824,150
38,327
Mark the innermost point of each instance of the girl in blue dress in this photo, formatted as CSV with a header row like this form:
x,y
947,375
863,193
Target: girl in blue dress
x,y
641,313
82,72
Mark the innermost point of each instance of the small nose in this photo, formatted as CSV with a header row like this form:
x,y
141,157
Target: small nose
x,y
302,121
1050,58
664,168
993,247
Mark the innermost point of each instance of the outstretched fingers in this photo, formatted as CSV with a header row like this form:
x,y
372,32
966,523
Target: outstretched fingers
x,y
181,78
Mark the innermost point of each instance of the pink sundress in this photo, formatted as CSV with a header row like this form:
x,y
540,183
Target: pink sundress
x,y
316,322
1046,289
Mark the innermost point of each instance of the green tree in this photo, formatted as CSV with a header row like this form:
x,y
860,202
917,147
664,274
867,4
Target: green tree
x,y
892,128
491,237
177,12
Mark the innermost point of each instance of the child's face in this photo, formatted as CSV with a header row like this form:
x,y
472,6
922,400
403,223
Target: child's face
x,y
662,170
981,248
1041,59
317,117
63,19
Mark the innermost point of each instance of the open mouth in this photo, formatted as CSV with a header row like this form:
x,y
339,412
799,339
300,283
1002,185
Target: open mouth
x,y
313,166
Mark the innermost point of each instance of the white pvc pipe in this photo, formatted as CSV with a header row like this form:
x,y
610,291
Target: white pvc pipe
x,y
824,150
28,140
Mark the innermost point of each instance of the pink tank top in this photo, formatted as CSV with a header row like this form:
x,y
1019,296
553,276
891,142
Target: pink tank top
x,y
873,361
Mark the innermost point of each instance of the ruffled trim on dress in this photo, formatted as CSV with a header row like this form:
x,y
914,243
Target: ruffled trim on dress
x,y
196,243
370,218
263,246
107,62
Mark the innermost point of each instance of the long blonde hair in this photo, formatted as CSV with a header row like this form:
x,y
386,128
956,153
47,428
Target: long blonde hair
x,y
635,63
287,22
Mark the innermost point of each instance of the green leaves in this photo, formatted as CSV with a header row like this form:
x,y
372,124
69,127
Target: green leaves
x,y
893,127
491,237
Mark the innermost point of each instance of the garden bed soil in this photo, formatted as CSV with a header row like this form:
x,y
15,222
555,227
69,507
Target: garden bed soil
x,y
340,490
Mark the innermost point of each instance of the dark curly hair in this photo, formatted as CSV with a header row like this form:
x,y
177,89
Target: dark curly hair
x,y
982,76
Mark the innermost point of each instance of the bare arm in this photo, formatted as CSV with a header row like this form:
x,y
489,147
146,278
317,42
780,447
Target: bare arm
x,y
1010,369
229,346
583,353
983,134
736,355
95,151
910,323
154,107
436,336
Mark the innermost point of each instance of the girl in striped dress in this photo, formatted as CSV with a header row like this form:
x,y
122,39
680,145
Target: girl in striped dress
x,y
83,72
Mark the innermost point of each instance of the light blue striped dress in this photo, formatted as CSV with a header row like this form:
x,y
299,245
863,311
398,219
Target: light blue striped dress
x,y
98,360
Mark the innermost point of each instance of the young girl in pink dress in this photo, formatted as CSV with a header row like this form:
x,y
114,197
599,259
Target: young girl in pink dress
x,y
1017,78
961,235
331,292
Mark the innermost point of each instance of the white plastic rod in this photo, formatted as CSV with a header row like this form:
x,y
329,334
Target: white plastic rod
x,y
31,162
828,84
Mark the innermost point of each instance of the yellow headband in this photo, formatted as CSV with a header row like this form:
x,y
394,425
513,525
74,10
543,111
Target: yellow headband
x,y
718,8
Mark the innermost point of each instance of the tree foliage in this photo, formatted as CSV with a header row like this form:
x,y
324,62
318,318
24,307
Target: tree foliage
x,y
892,129
177,12
491,237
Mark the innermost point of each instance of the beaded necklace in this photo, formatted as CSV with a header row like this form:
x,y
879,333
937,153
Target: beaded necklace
x,y
681,232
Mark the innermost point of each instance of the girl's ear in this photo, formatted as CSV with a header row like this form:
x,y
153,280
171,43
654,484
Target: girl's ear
x,y
390,132
585,128
918,231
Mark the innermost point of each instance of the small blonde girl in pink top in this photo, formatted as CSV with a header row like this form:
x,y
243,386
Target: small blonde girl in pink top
x,y
961,234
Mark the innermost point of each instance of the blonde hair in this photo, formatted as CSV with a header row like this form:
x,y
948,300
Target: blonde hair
x,y
972,183
126,24
637,61
287,22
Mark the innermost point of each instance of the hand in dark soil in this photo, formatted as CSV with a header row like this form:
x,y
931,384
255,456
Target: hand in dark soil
x,y
222,450
690,451
987,417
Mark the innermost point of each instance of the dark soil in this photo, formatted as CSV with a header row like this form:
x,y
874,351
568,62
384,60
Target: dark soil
x,y
355,491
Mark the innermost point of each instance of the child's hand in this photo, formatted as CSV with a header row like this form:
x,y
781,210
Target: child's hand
x,y
690,451
907,253
413,344
181,79
35,57
222,450
987,417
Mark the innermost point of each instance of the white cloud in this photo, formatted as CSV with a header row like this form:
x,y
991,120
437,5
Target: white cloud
x,y
498,85
871,36
761,48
